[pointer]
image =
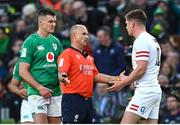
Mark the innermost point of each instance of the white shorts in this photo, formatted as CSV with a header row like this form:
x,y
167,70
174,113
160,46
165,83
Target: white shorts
x,y
145,105
26,113
50,106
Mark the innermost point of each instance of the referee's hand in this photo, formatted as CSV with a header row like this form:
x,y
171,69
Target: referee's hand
x,y
45,92
62,76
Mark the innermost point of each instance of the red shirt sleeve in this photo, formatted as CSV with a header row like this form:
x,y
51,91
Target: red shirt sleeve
x,y
64,62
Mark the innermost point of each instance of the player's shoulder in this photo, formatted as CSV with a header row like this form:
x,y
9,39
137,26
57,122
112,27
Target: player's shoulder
x,y
31,38
54,37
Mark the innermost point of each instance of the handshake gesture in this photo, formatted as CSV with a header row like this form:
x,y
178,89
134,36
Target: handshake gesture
x,y
119,83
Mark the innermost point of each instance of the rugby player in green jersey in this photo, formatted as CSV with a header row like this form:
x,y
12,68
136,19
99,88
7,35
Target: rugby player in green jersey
x,y
38,67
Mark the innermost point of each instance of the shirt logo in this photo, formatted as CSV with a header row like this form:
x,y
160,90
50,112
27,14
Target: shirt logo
x,y
50,57
143,109
40,47
76,117
86,69
23,53
54,46
40,107
78,56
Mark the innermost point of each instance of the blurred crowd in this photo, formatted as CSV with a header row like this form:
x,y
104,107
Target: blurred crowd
x,y
109,44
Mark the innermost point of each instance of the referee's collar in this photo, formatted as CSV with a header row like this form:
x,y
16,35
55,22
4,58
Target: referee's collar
x,y
84,53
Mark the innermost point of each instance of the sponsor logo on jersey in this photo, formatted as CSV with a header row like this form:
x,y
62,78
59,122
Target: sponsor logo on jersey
x,y
54,46
86,69
40,47
50,57
49,65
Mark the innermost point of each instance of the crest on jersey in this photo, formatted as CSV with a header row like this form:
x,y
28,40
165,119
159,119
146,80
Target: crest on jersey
x,y
54,46
50,57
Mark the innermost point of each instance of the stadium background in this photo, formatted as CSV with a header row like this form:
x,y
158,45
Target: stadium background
x,y
18,20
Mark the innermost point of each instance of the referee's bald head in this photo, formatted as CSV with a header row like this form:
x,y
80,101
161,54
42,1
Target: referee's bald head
x,y
75,28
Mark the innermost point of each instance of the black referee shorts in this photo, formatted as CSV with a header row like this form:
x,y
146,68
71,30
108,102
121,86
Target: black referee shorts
x,y
76,109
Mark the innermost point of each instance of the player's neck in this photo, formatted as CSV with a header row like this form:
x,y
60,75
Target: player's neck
x,y
138,31
42,33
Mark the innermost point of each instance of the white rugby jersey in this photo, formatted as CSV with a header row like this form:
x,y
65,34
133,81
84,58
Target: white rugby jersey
x,y
146,48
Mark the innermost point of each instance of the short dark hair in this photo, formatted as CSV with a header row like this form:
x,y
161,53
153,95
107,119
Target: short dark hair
x,y
46,11
138,15
106,30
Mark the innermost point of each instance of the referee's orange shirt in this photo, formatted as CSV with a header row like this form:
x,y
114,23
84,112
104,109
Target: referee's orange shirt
x,y
80,70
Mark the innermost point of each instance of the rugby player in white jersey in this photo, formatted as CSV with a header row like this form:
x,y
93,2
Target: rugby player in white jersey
x,y
146,63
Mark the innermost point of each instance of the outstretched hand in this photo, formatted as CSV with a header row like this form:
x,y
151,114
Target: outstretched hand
x,y
117,84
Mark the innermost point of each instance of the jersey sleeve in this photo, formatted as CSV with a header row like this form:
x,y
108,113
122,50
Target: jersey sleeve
x,y
16,75
95,71
26,51
64,62
141,50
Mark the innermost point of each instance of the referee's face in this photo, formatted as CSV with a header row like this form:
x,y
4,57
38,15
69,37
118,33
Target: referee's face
x,y
82,36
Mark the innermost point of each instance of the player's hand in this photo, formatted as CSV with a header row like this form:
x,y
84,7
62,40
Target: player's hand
x,y
22,93
117,85
63,78
45,92
122,76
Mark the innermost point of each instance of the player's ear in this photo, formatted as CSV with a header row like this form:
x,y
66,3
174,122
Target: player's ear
x,y
133,23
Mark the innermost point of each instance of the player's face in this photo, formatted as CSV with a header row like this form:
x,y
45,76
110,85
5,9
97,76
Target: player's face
x,y
49,23
129,27
82,36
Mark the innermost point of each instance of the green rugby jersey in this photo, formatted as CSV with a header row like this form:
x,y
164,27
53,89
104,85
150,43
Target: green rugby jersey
x,y
41,54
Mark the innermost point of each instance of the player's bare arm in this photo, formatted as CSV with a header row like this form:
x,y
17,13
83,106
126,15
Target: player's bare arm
x,y
135,75
25,74
13,87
